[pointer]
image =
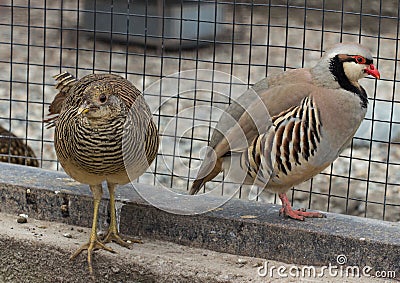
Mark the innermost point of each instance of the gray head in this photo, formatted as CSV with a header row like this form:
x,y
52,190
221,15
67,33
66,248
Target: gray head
x,y
343,65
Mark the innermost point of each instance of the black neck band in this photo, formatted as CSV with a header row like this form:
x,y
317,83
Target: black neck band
x,y
336,68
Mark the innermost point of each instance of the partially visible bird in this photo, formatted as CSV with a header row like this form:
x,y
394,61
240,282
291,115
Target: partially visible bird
x,y
103,132
315,113
14,150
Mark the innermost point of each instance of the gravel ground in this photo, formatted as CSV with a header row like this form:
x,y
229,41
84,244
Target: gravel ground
x,y
372,167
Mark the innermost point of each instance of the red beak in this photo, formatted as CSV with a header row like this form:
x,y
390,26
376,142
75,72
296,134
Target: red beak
x,y
371,70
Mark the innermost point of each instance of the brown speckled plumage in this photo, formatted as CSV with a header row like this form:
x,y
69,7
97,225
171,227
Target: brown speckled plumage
x,y
103,132
14,150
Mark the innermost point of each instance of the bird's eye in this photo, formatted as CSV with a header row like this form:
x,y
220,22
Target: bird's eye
x,y
102,98
360,59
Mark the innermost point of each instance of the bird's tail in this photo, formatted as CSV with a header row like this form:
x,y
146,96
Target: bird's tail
x,y
64,83
209,169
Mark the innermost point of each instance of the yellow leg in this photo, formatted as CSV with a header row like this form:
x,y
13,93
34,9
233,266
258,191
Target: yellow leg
x,y
94,242
112,233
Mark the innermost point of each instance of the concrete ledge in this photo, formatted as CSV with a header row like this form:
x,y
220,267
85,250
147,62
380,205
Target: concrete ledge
x,y
38,252
50,195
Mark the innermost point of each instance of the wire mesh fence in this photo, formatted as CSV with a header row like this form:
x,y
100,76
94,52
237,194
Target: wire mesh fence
x,y
191,58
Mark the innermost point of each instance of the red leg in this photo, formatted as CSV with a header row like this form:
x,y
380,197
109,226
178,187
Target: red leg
x,y
299,214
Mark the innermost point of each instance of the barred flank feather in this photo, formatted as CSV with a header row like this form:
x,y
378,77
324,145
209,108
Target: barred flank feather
x,y
296,138
297,135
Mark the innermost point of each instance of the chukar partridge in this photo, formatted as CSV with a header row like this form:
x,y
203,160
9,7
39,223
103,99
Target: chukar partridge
x,y
315,113
103,132
14,150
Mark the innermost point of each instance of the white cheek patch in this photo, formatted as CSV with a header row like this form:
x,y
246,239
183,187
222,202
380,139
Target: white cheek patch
x,y
353,71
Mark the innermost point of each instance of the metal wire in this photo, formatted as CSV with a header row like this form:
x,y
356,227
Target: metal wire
x,y
247,40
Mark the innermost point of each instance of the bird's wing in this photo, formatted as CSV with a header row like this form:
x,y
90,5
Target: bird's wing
x,y
234,111
255,120
64,83
259,90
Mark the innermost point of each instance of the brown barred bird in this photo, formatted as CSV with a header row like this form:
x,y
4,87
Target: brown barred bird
x,y
14,150
315,113
103,132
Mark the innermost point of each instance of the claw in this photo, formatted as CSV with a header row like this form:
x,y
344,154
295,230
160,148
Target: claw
x,y
90,247
299,214
113,236
94,243
112,233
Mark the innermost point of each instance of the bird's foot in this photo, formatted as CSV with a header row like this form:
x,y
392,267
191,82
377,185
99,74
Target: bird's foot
x,y
113,236
90,247
299,214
